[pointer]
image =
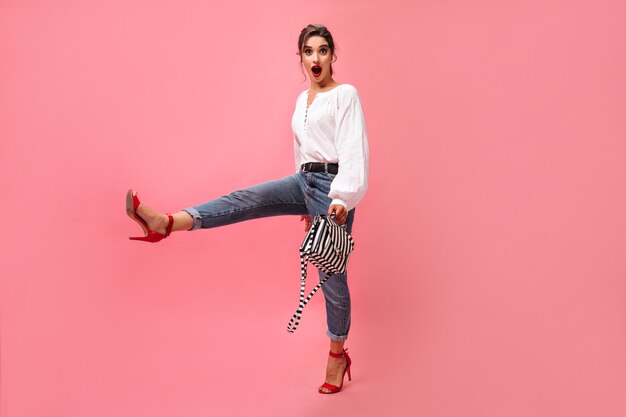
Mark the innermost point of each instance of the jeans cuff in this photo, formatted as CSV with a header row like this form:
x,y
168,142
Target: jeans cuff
x,y
336,338
197,219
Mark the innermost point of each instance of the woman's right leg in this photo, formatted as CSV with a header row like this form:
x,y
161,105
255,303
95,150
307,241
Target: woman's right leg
x,y
272,198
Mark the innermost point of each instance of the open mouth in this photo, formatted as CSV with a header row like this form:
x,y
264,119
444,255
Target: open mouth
x,y
316,69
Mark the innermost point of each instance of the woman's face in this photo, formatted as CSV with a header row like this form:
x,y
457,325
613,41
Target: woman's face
x,y
316,57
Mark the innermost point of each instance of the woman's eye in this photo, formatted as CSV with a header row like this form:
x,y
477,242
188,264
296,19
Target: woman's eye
x,y
323,50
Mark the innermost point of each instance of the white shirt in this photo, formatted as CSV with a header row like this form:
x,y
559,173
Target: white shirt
x,y
333,129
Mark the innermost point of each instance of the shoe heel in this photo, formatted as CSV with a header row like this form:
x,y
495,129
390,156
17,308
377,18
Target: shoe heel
x,y
142,238
151,237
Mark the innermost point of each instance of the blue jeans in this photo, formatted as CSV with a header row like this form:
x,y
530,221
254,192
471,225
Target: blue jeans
x,y
299,194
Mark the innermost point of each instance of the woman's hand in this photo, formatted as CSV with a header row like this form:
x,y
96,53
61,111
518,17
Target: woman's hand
x,y
341,213
307,222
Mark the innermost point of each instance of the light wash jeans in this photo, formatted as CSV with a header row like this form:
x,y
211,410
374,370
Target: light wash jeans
x,y
299,194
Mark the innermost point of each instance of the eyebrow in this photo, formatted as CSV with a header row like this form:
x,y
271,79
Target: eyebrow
x,y
310,47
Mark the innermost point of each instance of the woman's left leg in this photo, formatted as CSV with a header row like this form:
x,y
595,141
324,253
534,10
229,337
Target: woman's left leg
x,y
338,315
336,292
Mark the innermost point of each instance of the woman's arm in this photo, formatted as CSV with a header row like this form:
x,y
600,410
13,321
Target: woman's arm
x,y
349,186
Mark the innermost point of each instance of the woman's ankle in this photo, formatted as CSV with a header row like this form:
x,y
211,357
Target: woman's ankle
x,y
182,221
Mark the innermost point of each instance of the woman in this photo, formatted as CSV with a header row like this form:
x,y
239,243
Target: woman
x,y
332,162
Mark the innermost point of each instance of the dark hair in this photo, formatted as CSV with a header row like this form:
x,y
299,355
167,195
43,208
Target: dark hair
x,y
316,30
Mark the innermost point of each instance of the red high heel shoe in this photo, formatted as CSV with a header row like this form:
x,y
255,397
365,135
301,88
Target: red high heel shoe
x,y
332,389
132,202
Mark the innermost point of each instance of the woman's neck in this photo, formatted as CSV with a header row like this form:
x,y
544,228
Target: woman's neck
x,y
323,86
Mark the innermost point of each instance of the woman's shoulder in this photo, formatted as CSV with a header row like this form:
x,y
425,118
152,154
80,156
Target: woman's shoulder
x,y
347,91
346,94
346,88
342,89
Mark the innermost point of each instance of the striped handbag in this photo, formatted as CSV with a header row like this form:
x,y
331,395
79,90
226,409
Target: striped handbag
x,y
327,245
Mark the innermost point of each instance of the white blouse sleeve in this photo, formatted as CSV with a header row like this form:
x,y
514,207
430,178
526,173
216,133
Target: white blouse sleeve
x,y
296,151
350,184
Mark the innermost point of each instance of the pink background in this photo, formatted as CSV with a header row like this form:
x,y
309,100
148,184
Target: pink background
x,y
489,272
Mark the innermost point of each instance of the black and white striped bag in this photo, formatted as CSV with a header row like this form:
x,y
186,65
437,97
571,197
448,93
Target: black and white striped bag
x,y
327,245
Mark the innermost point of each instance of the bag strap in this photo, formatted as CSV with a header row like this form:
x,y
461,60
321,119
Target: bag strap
x,y
295,319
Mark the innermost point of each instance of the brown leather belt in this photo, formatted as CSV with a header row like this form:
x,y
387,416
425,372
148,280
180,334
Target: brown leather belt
x,y
330,167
